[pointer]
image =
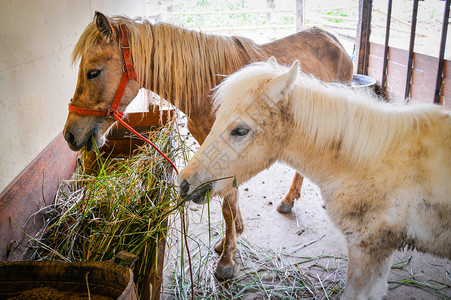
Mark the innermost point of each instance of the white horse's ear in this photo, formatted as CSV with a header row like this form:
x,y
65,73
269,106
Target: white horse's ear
x,y
104,26
272,60
283,83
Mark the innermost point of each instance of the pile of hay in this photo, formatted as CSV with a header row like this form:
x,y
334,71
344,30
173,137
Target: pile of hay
x,y
124,207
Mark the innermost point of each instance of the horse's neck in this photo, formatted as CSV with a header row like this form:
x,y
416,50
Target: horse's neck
x,y
339,130
303,155
316,144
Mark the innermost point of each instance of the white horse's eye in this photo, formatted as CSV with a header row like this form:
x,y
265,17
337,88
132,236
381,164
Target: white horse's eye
x,y
239,131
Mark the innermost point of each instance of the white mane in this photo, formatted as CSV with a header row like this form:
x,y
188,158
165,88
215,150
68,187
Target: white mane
x,y
242,83
356,123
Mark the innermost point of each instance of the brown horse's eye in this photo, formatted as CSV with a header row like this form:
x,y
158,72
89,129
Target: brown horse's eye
x,y
93,74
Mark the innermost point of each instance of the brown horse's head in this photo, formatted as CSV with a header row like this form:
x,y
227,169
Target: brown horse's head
x,y
100,72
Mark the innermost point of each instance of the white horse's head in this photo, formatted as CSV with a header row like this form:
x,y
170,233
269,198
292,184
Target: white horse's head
x,y
249,132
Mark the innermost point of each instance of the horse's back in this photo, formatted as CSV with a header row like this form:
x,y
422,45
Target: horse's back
x,y
319,52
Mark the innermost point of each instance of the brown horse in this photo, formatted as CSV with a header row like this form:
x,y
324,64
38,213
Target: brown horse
x,y
183,67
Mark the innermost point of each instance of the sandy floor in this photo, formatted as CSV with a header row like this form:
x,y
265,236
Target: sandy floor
x,y
259,206
307,231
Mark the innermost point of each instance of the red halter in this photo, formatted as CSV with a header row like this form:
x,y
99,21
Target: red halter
x,y
128,74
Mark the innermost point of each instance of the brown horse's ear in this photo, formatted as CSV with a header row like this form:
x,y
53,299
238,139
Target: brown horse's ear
x,y
104,26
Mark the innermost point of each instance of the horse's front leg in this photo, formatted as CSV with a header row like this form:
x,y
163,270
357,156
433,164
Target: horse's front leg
x,y
367,272
295,192
233,227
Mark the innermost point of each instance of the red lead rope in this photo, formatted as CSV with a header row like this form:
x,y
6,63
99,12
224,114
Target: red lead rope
x,y
129,74
119,119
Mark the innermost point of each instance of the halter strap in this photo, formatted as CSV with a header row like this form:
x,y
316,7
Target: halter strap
x,y
128,74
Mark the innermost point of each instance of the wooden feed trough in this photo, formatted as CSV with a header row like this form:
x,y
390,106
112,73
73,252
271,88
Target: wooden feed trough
x,y
62,280
37,185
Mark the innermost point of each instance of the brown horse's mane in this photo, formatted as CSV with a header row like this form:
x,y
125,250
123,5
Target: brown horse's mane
x,y
177,64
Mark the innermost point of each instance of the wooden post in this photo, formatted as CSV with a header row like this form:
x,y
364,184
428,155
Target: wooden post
x,y
300,24
362,46
270,4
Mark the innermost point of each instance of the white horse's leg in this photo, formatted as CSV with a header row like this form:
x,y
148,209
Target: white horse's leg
x,y
233,227
367,273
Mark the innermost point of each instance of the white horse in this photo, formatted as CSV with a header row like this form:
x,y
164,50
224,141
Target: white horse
x,y
384,170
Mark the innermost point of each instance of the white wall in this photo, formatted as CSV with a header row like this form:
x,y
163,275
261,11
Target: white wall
x,y
36,76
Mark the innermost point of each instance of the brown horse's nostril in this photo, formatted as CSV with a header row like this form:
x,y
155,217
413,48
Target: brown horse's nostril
x,y
69,137
184,187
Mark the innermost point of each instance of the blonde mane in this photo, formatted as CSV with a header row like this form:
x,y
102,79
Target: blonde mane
x,y
355,123
177,64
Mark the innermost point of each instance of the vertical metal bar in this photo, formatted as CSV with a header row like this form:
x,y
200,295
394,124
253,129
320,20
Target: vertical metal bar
x,y
411,46
387,36
441,61
363,37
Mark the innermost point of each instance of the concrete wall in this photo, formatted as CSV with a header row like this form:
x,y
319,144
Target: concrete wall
x,y
36,76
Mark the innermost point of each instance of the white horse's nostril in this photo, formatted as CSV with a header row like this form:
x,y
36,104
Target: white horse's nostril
x,y
184,187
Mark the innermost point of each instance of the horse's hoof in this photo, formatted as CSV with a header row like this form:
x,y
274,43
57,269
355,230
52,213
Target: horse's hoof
x,y
225,272
219,246
284,207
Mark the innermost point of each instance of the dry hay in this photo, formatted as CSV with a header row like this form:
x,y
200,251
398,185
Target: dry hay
x,y
123,208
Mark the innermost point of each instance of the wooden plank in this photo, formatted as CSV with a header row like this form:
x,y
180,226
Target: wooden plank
x,y
424,78
377,50
122,142
397,69
395,86
423,74
398,55
425,62
363,37
445,101
35,187
375,64
396,79
446,90
447,69
419,93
